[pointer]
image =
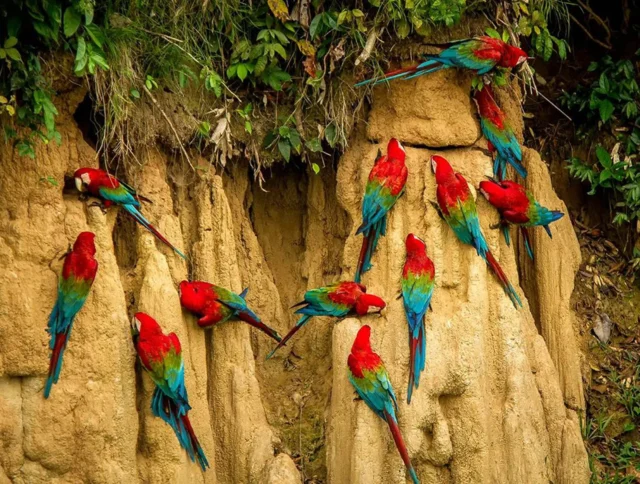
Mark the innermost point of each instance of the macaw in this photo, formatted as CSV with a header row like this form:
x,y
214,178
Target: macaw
x,y
371,381
215,304
478,54
386,184
458,208
518,207
78,272
338,300
417,288
501,139
161,357
100,184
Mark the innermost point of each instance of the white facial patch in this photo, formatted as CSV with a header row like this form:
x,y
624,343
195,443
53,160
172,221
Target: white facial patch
x,y
86,178
521,59
484,194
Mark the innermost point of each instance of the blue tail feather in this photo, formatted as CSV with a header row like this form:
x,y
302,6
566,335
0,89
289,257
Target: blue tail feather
x,y
135,213
243,294
507,234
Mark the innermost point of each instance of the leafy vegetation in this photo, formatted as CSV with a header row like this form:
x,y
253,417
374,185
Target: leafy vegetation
x,y
608,109
285,60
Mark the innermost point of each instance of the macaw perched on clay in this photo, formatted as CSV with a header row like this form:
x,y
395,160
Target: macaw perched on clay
x,y
458,208
215,304
386,184
337,300
479,54
161,357
518,207
106,187
501,139
78,272
371,381
417,288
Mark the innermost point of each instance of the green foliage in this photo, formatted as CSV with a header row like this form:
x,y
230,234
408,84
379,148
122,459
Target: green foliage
x,y
610,103
26,28
533,22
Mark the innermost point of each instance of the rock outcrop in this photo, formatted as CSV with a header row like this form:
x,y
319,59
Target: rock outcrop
x,y
498,402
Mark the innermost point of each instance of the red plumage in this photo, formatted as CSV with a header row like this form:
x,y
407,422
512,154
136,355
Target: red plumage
x,y
510,198
488,108
362,356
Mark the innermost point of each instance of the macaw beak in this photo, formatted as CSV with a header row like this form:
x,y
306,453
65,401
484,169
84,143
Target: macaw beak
x,y
135,326
434,165
79,184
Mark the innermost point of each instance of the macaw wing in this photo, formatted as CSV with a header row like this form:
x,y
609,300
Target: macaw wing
x,y
504,140
72,293
472,224
230,299
170,376
319,303
464,55
118,195
376,203
416,292
375,389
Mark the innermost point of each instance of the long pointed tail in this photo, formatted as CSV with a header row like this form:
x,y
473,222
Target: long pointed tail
x,y
250,317
198,452
549,216
369,245
361,259
55,363
504,280
417,357
430,65
133,211
301,322
527,241
507,235
517,165
397,438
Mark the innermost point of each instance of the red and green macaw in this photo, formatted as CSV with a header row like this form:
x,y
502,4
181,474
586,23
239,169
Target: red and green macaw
x,y
371,381
338,300
106,187
479,54
458,208
386,184
161,357
501,139
78,272
518,207
417,288
215,304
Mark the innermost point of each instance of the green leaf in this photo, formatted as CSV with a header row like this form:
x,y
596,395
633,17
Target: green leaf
x,y
10,42
548,46
402,28
72,20
314,145
330,135
294,139
604,176
285,149
315,25
3,54
606,110
135,94
13,54
315,167
604,157
96,35
248,127
242,72
81,56
493,33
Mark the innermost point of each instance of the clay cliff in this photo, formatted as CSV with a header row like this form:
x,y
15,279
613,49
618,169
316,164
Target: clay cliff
x,y
501,396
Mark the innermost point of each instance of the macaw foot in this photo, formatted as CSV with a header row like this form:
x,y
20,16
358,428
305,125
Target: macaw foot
x,y
486,78
83,197
101,205
495,226
437,207
66,253
357,399
399,296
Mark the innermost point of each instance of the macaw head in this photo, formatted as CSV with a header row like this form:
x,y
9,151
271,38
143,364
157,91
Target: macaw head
x,y
512,56
369,303
362,343
395,150
194,295
415,245
82,178
85,243
145,326
441,168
